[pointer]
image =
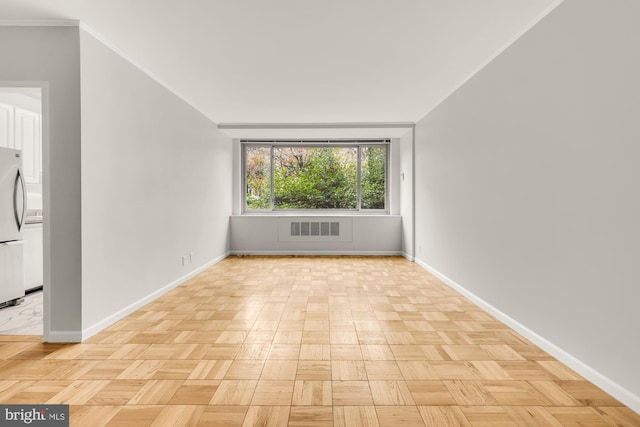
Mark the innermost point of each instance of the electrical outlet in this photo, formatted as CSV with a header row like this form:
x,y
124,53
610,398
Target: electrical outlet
x,y
419,249
184,260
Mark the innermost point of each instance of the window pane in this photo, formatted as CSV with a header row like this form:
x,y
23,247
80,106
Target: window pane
x,y
373,177
315,177
258,177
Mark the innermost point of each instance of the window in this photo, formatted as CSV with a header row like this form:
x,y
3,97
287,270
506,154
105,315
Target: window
x,y
329,176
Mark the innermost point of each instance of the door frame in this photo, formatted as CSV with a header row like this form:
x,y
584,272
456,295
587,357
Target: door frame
x,y
46,207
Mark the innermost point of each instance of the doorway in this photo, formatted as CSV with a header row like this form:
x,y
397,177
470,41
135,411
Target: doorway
x,y
21,112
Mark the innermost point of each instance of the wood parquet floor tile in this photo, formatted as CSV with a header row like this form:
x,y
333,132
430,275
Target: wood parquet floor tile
x,y
306,341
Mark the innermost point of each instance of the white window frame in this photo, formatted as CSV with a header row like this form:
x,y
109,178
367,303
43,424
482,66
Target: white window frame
x,y
358,144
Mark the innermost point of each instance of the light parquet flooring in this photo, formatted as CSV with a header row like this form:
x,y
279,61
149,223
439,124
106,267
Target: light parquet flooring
x,y
306,341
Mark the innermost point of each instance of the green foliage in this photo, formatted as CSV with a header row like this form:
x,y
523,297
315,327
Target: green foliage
x,y
258,177
372,177
321,178
315,177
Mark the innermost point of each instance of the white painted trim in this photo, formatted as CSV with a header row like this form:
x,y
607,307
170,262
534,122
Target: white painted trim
x,y
101,325
140,67
64,336
486,62
320,214
39,23
614,389
46,236
340,125
408,257
318,253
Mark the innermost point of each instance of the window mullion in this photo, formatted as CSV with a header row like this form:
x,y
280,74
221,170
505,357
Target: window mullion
x,y
273,180
358,181
386,179
243,178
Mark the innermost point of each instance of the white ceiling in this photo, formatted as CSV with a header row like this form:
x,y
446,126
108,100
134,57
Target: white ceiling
x,y
302,61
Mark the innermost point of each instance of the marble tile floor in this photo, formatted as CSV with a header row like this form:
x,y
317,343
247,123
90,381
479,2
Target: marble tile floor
x,y
23,319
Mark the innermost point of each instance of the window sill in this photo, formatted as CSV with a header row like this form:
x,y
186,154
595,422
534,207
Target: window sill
x,y
314,214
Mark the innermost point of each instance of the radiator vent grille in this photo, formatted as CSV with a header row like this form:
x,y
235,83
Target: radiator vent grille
x,y
315,228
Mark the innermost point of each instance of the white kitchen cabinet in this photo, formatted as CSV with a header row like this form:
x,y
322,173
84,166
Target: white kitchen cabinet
x,y
33,261
28,138
22,130
6,125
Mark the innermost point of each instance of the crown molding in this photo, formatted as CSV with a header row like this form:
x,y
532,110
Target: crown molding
x,y
39,23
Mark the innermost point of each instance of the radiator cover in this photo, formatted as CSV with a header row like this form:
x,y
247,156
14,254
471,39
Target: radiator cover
x,y
315,229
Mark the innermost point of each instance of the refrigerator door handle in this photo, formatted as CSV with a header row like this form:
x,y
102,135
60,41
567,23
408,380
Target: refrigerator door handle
x,y
20,218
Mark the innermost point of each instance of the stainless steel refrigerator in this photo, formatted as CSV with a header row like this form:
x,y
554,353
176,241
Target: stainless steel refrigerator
x,y
13,207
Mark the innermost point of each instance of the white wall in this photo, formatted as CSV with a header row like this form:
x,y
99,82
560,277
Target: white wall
x,y
49,57
406,192
394,181
527,188
236,179
367,235
155,187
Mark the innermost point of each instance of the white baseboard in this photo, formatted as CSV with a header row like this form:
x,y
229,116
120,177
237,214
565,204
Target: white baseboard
x,y
317,253
99,326
408,257
614,389
63,336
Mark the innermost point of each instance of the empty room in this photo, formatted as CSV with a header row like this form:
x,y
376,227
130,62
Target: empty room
x,y
319,213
